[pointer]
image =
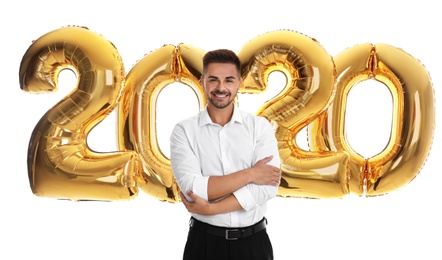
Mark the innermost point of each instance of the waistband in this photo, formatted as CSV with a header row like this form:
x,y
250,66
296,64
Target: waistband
x,y
228,233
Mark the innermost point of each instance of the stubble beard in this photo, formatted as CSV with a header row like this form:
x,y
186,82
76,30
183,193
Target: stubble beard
x,y
220,104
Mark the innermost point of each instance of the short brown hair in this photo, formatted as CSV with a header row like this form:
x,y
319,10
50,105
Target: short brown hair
x,y
221,56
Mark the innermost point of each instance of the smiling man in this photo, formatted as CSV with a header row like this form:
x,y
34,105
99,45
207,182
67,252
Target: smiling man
x,y
227,165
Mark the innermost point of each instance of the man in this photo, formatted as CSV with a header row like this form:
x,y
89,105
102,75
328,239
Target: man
x,y
227,165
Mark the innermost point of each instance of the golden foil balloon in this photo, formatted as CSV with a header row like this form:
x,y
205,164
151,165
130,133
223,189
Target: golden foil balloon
x,y
137,112
310,86
413,119
60,163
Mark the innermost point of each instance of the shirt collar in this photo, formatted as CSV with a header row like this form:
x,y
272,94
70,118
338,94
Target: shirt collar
x,y
205,119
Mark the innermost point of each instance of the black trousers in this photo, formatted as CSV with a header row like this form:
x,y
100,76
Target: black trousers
x,y
204,246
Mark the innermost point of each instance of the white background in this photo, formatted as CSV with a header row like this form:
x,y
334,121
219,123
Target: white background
x,y
402,224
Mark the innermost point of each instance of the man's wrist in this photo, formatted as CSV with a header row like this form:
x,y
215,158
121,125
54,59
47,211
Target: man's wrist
x,y
211,209
249,173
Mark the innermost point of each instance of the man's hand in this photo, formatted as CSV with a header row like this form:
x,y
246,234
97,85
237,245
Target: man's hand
x,y
264,174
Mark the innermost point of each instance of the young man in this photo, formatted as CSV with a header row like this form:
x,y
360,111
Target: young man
x,y
227,165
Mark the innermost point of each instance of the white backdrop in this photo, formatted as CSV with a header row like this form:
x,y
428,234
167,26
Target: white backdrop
x,y
402,224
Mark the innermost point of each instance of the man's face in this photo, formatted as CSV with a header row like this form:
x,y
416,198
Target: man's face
x,y
221,83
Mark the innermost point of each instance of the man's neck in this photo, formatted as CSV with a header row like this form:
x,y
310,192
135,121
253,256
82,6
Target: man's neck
x,y
220,116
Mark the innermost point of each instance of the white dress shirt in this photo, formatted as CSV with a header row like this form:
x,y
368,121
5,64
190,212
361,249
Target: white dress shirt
x,y
200,148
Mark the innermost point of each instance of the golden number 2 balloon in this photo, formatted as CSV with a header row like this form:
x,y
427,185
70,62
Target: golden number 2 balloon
x,y
60,164
412,125
310,74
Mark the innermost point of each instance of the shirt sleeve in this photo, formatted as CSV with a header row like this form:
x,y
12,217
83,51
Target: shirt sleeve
x,y
252,195
185,165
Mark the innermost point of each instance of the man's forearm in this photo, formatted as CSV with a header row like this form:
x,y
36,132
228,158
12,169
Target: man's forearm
x,y
261,173
226,205
203,207
220,186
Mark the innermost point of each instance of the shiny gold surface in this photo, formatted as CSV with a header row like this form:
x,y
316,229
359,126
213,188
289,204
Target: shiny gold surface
x,y
137,129
61,165
413,120
310,74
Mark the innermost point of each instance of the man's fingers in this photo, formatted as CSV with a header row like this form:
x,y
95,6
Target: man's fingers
x,y
192,195
267,159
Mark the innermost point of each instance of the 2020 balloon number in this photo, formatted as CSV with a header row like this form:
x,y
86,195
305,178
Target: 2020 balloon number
x,y
62,166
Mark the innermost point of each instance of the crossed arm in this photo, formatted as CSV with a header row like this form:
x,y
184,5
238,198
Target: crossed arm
x,y
224,186
241,190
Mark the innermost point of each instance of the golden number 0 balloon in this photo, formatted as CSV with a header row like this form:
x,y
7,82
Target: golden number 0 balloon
x,y
413,117
137,112
60,164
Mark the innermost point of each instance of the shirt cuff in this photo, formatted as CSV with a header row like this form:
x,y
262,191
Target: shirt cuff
x,y
245,198
200,187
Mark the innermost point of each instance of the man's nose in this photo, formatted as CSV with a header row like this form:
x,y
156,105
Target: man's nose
x,y
221,85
